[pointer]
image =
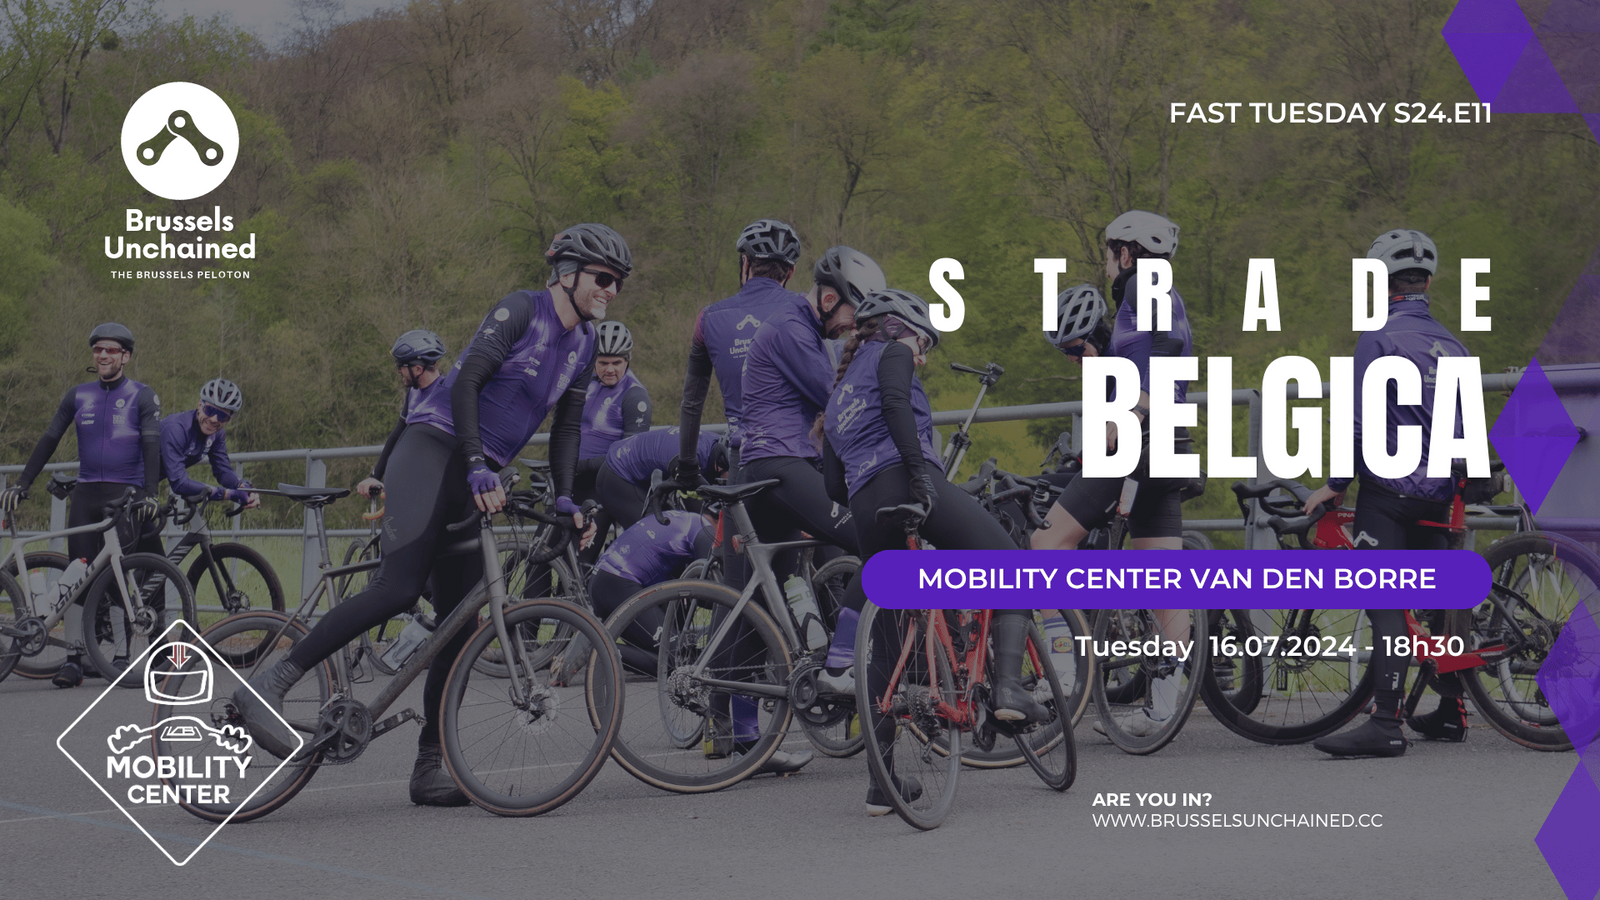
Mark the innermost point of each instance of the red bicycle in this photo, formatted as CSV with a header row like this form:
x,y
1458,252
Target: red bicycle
x,y
928,681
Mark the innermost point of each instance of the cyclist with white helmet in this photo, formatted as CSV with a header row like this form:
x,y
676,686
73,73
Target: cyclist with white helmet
x,y
616,407
192,435
533,353
416,357
118,423
1388,509
1156,520
880,453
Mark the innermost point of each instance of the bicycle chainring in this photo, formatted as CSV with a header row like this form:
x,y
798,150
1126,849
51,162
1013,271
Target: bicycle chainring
x,y
343,731
33,635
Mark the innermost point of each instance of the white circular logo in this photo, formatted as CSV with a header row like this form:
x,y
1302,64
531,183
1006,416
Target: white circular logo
x,y
179,140
502,314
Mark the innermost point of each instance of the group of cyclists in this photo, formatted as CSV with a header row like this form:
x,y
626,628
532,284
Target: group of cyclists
x,y
821,396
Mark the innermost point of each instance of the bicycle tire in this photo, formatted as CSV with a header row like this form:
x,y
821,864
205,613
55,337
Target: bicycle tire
x,y
891,740
1116,718
250,637
104,616
1048,746
499,778
1543,579
831,725
41,563
237,591
10,647
1235,680
1294,696
643,746
1005,754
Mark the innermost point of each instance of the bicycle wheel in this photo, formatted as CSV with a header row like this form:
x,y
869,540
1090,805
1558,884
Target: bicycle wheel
x,y
1048,746
1149,721
114,634
1062,628
746,714
1539,581
913,743
245,644
44,573
10,600
831,723
524,757
233,578
541,641
1291,676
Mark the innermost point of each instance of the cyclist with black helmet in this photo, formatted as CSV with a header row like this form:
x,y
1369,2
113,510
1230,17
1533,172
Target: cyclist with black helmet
x,y
1388,509
880,453
416,356
192,435
533,353
118,422
1156,520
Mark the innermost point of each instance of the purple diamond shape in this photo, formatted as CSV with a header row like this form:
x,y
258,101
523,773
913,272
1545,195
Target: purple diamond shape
x,y
1576,57
1534,435
1575,335
1567,837
1487,59
1486,15
1571,15
1570,680
1534,86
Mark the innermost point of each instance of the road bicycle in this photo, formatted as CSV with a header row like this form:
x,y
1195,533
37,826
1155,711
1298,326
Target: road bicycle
x,y
517,746
128,600
926,679
227,576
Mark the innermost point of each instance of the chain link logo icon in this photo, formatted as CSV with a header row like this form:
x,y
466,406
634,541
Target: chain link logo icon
x,y
179,140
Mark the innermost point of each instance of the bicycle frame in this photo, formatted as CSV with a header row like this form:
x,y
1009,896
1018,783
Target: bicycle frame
x,y
110,555
960,442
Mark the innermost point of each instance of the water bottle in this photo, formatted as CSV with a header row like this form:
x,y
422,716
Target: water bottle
x,y
804,604
71,577
411,637
1063,655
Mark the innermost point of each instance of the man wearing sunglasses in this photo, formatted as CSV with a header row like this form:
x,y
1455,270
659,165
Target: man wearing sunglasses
x,y
118,421
189,436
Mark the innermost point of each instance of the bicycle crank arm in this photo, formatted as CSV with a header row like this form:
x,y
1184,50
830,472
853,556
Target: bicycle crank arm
x,y
396,720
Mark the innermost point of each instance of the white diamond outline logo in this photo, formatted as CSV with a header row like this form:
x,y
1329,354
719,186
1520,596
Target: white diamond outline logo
x,y
162,642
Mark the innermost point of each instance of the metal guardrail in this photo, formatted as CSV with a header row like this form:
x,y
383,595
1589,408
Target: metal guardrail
x,y
1256,535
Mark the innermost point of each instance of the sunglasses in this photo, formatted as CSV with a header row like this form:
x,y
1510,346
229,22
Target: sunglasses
x,y
1075,350
221,415
603,280
112,350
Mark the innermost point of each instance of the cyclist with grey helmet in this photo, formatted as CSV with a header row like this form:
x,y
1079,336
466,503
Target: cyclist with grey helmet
x,y
533,353
118,423
192,435
416,356
617,406
1388,509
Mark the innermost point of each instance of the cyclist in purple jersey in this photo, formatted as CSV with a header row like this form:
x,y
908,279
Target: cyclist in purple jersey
x,y
1156,520
533,352
647,553
427,400
1388,509
118,423
768,250
624,478
190,436
617,404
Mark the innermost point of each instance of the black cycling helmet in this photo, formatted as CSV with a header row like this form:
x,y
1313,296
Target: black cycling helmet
x,y
1403,248
1078,310
850,272
903,305
417,347
112,331
223,394
613,339
590,243
769,239
717,464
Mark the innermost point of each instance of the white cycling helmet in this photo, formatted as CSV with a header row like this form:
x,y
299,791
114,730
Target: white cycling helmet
x,y
613,339
223,394
1405,248
903,305
1078,310
1155,233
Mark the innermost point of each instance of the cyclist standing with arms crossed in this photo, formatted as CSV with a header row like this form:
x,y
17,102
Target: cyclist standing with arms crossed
x,y
1388,509
416,355
879,453
534,352
187,437
1156,520
118,423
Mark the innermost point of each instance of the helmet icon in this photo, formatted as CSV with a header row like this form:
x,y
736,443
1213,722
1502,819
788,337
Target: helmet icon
x,y
180,674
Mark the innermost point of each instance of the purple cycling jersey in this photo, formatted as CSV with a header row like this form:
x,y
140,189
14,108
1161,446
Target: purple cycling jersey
x,y
787,380
1413,333
115,422
430,405
183,444
610,413
650,552
725,331
855,426
1128,342
635,457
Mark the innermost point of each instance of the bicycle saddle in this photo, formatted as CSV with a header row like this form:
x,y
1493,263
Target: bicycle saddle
x,y
61,484
733,493
312,496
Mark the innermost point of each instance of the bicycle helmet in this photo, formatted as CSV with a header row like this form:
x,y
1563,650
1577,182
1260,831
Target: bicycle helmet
x,y
1403,249
223,394
717,463
769,239
850,272
613,339
112,331
589,243
417,347
1078,310
1155,233
903,305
